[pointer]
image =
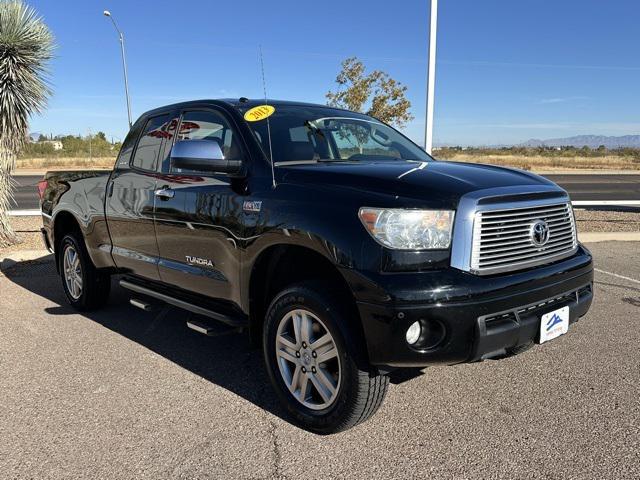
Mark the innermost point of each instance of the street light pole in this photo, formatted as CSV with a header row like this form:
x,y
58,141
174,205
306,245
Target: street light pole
x,y
107,13
431,78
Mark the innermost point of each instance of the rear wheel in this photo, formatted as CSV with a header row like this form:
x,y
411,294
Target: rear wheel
x,y
86,288
315,365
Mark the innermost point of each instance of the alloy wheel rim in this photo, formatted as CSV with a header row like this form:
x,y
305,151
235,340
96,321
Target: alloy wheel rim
x,y
72,272
308,359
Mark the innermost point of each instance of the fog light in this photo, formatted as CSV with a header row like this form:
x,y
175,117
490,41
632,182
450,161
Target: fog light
x,y
413,333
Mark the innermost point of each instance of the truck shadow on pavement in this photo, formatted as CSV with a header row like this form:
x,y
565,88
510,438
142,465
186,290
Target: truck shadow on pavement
x,y
228,361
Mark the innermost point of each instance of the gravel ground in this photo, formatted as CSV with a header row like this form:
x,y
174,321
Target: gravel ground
x,y
28,228
607,221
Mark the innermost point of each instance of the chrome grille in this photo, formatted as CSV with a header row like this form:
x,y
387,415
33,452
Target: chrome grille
x,y
502,239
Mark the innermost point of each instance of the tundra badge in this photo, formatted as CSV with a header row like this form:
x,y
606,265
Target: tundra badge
x,y
205,262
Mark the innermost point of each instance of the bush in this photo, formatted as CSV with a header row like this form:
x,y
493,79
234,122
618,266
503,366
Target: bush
x,y
73,146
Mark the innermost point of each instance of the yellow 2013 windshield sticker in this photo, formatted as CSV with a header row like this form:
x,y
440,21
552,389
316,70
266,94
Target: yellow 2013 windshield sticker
x,y
259,113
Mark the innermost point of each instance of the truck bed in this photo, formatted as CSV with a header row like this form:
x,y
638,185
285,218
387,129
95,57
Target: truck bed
x,y
83,195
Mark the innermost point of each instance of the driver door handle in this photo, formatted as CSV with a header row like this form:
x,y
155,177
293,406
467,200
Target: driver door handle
x,y
165,193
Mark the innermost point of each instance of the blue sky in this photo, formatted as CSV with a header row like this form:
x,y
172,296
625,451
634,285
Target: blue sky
x,y
507,70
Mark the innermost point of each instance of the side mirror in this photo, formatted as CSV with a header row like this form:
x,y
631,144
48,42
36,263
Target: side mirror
x,y
202,156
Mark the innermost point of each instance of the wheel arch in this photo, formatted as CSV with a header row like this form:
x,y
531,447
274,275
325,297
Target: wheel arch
x,y
277,267
63,223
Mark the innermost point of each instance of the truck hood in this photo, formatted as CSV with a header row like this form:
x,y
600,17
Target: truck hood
x,y
445,181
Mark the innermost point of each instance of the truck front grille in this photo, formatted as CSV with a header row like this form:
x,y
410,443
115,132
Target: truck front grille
x,y
504,240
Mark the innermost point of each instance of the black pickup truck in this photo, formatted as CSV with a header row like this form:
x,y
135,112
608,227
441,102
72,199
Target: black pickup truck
x,y
343,248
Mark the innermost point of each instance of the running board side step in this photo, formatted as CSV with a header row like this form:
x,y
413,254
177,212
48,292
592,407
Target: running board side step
x,y
176,302
210,330
141,304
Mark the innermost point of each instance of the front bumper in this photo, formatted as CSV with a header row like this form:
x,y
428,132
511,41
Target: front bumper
x,y
466,317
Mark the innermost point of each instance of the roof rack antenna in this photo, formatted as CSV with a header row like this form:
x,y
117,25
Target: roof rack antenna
x,y
264,88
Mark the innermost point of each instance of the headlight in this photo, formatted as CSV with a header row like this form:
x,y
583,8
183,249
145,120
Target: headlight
x,y
409,229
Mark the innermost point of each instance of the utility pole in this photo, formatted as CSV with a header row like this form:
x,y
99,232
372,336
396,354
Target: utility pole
x,y
107,13
431,78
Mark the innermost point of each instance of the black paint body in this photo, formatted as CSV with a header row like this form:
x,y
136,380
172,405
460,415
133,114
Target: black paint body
x,y
315,206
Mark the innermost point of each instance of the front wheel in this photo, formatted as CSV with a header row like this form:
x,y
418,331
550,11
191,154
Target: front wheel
x,y
315,364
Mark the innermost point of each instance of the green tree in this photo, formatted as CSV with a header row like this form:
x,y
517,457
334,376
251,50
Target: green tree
x,y
26,46
38,149
376,93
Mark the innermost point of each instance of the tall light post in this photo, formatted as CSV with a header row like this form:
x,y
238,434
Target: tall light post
x,y
431,78
107,13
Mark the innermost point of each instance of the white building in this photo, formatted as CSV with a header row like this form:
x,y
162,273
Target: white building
x,y
56,144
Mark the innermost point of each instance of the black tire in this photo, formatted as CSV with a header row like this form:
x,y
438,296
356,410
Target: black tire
x,y
361,389
96,285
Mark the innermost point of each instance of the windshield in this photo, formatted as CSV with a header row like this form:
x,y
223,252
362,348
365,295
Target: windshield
x,y
315,134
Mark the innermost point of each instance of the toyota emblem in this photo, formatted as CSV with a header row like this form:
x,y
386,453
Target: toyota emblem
x,y
539,233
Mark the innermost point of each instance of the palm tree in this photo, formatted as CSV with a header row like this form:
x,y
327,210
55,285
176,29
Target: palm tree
x,y
26,46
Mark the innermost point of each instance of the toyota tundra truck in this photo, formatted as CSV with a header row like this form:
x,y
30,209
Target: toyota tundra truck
x,y
342,248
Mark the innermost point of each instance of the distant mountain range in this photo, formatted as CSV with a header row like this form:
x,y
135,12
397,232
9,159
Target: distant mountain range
x,y
591,141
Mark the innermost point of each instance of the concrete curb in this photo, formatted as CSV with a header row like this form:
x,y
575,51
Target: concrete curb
x,y
591,237
25,213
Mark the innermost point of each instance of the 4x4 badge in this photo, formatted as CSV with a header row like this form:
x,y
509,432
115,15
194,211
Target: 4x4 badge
x,y
252,206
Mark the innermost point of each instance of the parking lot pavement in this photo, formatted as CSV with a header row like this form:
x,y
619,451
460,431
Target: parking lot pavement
x,y
123,393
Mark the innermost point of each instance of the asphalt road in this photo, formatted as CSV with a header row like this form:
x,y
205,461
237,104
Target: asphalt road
x,y
599,187
122,393
580,187
26,192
